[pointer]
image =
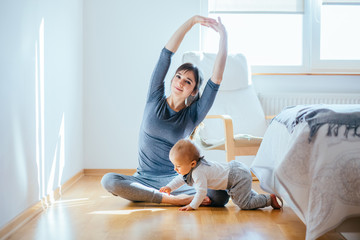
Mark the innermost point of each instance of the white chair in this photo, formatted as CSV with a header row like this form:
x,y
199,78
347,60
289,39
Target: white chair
x,y
236,104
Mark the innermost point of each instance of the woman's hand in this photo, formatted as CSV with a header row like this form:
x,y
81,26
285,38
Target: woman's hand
x,y
204,21
176,39
219,27
165,189
186,208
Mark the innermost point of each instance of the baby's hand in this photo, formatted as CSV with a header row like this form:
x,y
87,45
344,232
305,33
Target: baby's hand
x,y
165,189
186,208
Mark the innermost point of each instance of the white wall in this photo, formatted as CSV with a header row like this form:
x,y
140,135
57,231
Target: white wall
x,y
122,42
40,100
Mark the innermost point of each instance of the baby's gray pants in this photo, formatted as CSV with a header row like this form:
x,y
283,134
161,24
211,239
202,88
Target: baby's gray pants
x,y
240,191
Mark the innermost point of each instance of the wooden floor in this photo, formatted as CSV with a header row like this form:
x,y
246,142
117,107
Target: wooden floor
x,y
87,211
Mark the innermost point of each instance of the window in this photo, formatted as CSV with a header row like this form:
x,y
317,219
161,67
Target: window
x,y
290,36
336,36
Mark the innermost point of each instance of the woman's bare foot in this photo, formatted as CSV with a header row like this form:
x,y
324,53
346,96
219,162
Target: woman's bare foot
x,y
183,200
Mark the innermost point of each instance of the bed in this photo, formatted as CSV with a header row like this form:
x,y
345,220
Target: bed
x,y
310,156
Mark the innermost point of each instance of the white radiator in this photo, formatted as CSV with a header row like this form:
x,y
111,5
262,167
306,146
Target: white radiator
x,y
273,103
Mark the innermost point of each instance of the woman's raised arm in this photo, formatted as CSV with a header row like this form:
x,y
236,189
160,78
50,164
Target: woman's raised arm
x,y
176,39
221,56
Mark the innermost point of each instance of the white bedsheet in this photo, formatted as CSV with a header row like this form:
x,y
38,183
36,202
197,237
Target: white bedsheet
x,y
319,180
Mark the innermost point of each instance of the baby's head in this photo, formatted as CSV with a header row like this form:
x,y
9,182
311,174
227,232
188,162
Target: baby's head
x,y
184,155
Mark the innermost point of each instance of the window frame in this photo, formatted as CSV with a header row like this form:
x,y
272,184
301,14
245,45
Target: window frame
x,y
311,62
317,64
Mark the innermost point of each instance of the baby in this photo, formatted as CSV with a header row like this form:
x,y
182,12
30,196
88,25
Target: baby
x,y
234,177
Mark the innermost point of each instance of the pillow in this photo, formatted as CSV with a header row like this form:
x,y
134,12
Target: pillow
x,y
237,74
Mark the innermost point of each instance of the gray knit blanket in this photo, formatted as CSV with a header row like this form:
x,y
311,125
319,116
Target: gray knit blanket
x,y
335,115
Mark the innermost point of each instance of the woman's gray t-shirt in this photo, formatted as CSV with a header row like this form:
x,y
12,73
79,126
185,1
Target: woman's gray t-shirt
x,y
162,127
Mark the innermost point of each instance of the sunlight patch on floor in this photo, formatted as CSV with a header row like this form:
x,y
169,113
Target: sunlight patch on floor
x,y
106,196
71,200
124,212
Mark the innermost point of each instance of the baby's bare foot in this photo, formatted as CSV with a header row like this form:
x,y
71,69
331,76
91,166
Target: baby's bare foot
x,y
276,202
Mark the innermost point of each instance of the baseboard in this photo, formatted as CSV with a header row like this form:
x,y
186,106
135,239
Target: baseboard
x,y
254,178
20,220
37,208
56,194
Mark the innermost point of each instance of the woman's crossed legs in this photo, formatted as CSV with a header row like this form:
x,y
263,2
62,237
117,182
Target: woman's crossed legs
x,y
145,188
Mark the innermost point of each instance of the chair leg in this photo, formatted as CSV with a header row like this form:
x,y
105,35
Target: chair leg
x,y
229,156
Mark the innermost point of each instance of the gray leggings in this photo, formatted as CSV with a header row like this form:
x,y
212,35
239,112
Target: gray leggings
x,y
145,188
239,188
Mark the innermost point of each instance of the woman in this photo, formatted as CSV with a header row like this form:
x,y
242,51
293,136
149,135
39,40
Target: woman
x,y
168,119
